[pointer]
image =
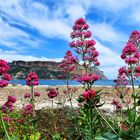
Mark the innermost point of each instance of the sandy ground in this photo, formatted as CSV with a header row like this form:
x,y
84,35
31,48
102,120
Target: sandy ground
x,y
107,94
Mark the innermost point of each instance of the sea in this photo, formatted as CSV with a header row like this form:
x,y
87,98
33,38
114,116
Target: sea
x,y
72,82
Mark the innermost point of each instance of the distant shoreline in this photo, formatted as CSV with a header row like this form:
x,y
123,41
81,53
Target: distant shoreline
x,y
102,86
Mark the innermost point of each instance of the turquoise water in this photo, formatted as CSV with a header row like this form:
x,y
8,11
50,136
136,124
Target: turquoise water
x,y
61,82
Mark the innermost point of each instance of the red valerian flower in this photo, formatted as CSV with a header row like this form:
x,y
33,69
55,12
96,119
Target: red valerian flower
x,y
130,52
137,71
117,104
5,77
9,105
68,64
134,37
32,79
89,43
123,71
20,121
11,99
7,119
28,109
124,127
82,44
80,21
27,95
4,67
36,94
88,78
131,60
114,102
3,83
89,94
129,49
52,93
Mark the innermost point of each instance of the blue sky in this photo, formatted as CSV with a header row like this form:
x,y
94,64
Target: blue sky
x,y
39,29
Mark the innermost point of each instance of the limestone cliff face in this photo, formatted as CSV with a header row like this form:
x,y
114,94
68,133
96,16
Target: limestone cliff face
x,y
44,69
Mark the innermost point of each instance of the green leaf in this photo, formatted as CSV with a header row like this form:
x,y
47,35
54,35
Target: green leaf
x,y
14,138
108,136
98,91
35,137
80,99
56,137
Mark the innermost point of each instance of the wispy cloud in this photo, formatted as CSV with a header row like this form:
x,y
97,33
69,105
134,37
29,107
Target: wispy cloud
x,y
106,32
11,56
110,60
29,24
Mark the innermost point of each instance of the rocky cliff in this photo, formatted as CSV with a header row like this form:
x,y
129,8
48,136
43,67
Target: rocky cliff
x,y
44,69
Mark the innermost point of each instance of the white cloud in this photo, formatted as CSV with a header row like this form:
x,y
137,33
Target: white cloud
x,y
112,5
110,72
7,52
53,23
10,56
38,16
106,32
136,16
110,60
7,31
75,11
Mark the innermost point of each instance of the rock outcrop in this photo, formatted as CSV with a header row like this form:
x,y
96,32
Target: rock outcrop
x,y
44,69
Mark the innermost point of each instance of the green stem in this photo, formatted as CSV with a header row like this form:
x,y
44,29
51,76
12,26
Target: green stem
x,y
134,94
5,128
32,100
105,120
34,114
52,103
69,94
91,123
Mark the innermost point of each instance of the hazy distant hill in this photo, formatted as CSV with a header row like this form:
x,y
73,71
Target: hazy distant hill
x,y
44,69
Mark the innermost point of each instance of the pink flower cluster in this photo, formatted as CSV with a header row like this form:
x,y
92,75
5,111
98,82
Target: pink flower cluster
x,y
28,109
130,54
32,79
7,119
78,28
89,94
36,94
9,105
123,127
28,95
137,71
52,93
80,24
91,78
134,38
123,71
82,44
4,67
4,76
68,64
122,82
117,104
